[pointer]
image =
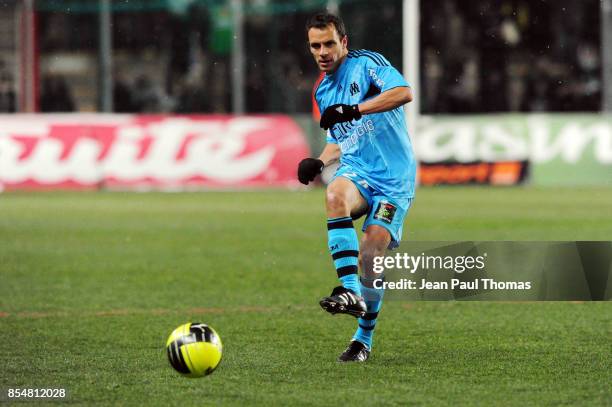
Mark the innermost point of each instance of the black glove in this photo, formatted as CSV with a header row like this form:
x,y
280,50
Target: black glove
x,y
308,169
339,114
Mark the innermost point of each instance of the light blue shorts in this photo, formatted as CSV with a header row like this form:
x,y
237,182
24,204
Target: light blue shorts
x,y
382,210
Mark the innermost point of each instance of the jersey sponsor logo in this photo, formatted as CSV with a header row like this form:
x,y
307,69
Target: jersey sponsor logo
x,y
354,88
365,127
385,212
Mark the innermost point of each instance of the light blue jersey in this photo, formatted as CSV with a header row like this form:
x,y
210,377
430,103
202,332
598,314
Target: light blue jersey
x,y
377,146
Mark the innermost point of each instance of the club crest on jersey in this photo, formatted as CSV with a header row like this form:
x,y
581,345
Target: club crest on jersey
x,y
385,212
354,88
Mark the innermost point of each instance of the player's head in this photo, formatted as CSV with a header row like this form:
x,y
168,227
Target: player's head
x,y
327,40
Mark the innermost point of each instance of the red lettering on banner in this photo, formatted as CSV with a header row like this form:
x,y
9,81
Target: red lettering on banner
x,y
28,144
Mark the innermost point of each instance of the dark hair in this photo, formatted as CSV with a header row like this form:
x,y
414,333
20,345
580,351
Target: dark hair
x,y
323,19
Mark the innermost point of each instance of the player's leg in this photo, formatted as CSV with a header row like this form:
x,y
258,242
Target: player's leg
x,y
382,230
374,243
342,199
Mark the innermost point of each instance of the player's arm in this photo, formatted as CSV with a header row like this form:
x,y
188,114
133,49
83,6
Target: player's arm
x,y
394,92
330,154
388,100
309,168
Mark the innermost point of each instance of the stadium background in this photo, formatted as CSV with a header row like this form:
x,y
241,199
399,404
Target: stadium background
x,y
104,98
514,82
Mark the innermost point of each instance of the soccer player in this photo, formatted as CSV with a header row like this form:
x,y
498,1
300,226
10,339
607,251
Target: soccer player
x,y
361,98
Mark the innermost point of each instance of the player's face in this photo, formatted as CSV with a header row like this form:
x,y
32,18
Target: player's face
x,y
327,47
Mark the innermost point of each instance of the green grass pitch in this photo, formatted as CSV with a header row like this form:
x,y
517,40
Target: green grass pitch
x,y
91,284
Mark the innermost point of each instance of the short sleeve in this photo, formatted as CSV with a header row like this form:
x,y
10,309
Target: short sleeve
x,y
382,74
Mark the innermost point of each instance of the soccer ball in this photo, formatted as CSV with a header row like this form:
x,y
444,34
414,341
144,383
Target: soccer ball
x,y
194,349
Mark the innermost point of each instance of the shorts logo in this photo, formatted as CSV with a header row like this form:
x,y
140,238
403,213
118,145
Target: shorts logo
x,y
385,212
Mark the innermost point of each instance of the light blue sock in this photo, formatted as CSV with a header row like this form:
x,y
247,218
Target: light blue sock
x,y
344,248
373,298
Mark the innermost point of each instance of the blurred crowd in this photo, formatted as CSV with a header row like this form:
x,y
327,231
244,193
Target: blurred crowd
x,y
477,56
8,102
510,55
